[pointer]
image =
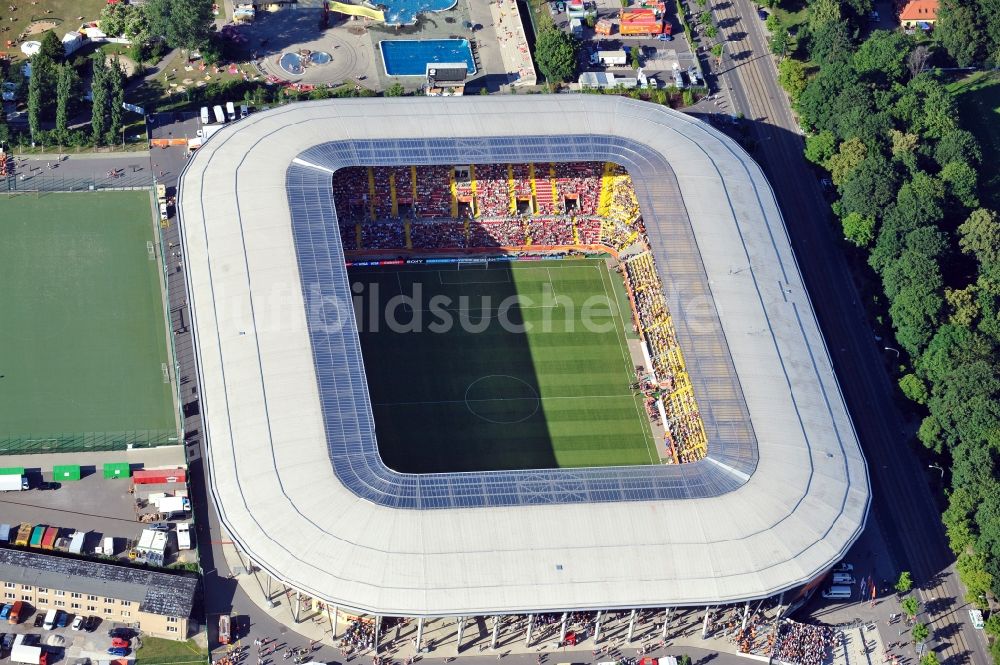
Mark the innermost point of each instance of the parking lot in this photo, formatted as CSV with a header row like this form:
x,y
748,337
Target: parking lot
x,y
90,640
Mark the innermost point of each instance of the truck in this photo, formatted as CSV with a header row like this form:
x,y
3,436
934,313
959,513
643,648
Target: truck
x,y
223,629
49,539
15,613
22,653
641,23
220,117
23,534
161,194
13,483
184,536
230,111
204,115
609,58
50,619
76,542
36,536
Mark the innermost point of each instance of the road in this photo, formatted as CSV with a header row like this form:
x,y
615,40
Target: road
x,y
903,505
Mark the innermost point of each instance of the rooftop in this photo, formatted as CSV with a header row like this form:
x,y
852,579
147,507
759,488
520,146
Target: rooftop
x,y
292,461
157,593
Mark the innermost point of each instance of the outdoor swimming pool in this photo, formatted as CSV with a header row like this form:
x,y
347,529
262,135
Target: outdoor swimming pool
x,y
409,57
404,12
296,63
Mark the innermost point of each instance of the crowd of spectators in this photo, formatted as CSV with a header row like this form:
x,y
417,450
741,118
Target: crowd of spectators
x,y
802,643
359,636
382,235
433,191
437,235
551,232
348,236
508,232
6,165
492,190
684,426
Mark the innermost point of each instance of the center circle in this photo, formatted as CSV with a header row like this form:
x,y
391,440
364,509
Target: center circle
x,y
502,399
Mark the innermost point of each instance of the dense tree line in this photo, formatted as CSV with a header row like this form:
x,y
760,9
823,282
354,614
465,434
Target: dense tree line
x,y
905,174
970,31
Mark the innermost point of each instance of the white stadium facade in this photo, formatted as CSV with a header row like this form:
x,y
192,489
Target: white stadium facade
x,y
291,456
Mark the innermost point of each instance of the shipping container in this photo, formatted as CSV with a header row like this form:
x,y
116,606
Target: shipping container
x,y
146,476
5,532
16,612
76,542
62,544
12,471
36,536
121,469
49,539
640,22
66,472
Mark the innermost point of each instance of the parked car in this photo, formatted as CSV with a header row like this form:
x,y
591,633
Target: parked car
x,y
159,526
8,641
39,619
119,642
5,611
91,624
843,567
77,622
121,652
122,632
761,14
62,619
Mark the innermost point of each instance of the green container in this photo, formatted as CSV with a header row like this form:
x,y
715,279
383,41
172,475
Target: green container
x,y
12,471
117,470
66,472
36,536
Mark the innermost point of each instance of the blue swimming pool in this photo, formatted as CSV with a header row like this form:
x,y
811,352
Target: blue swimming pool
x,y
404,12
409,57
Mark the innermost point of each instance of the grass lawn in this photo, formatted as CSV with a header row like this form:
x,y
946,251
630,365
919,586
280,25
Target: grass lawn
x,y
156,651
65,13
83,345
518,380
978,99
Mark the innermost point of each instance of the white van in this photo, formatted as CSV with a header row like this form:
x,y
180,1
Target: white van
x,y
220,117
838,593
204,115
50,619
230,111
843,578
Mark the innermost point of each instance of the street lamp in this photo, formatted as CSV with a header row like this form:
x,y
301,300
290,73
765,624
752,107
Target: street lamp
x,y
896,351
935,466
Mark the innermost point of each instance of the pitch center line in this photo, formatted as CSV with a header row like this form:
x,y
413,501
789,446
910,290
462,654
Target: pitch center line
x,y
499,399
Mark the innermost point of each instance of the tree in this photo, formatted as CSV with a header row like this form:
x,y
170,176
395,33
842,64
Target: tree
x,y
902,142
871,188
929,658
100,95
957,145
960,183
858,229
911,606
51,48
959,31
820,147
913,388
66,87
717,51
904,584
831,42
979,235
917,60
792,77
773,22
705,18
920,632
962,304
779,42
183,24
555,53
849,157
882,57
116,97
397,90
35,99
711,32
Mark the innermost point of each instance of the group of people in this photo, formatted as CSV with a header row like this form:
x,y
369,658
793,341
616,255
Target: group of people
x,y
802,644
685,430
6,165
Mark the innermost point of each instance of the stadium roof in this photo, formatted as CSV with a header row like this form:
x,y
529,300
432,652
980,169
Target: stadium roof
x,y
289,436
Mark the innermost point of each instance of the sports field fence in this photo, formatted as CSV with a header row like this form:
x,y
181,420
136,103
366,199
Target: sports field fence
x,y
50,182
77,442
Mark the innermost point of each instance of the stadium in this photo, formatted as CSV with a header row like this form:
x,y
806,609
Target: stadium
x,y
760,486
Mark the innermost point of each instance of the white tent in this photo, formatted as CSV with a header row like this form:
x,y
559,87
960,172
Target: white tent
x,y
31,48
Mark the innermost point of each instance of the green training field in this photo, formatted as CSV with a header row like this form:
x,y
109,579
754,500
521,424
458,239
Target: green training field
x,y
978,98
496,367
83,346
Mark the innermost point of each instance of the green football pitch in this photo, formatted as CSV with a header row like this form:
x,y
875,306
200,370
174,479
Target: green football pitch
x,y
510,365
83,347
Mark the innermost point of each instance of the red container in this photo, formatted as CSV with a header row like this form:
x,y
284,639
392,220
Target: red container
x,y
49,538
158,476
